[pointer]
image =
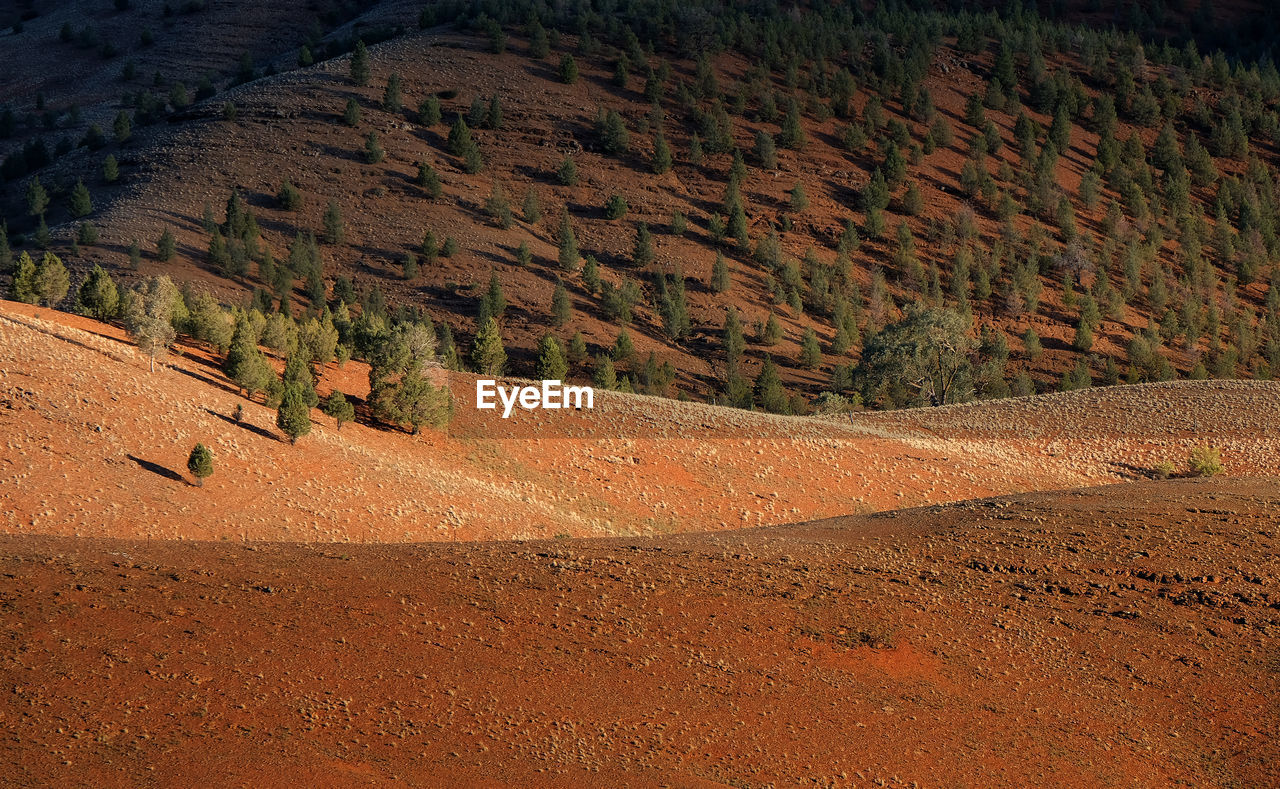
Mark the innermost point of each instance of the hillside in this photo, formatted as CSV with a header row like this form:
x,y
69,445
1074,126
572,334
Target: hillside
x,y
96,446
1121,636
1169,240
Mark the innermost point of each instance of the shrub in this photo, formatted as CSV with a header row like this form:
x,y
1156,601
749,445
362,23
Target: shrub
x,y
1205,461
200,463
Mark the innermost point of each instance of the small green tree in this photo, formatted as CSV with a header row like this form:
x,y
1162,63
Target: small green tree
x,y
487,355
81,203
289,198
334,231
373,152
567,173
551,362
720,281
200,463
768,390
498,206
166,247
37,198
24,280
52,280
293,416
337,407
98,296
110,169
661,153
568,245
810,352
568,69
429,180
351,113
561,310
605,376
391,101
360,64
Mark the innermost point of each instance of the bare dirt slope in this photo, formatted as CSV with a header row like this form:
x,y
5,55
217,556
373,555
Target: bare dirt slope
x,y
1115,636
95,445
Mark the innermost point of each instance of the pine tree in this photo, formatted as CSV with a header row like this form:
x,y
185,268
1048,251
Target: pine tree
x,y
624,350
498,206
799,200
334,231
24,280
568,69
297,375
373,152
98,297
772,331
810,351
429,113
720,281
605,375
122,128
351,113
577,350
642,254
792,134
110,169
166,246
614,135
487,355
6,252
245,365
551,362
293,416
493,118
149,316
200,463
661,153
337,407
531,207
360,64
561,310
568,245
524,255
391,101
912,201
765,151
695,150
494,303
768,390
429,180
37,198
567,173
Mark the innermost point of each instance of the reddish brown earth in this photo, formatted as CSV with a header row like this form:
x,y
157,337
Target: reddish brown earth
x,y
1103,637
95,445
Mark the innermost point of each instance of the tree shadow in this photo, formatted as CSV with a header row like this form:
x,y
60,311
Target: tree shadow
x,y
156,468
263,432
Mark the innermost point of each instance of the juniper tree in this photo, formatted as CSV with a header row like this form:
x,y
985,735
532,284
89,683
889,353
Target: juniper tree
x,y
568,244
498,206
487,354
337,407
293,415
98,297
661,153
568,69
360,64
605,376
373,152
51,280
768,389
37,198
551,362
200,463
24,280
720,281
561,309
334,231
391,101
429,180
810,352
429,111
289,198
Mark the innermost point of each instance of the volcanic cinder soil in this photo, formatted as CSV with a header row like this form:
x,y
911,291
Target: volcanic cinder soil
x,y
1117,636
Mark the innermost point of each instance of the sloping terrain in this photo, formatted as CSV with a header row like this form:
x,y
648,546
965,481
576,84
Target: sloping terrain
x,y
95,445
290,126
1120,636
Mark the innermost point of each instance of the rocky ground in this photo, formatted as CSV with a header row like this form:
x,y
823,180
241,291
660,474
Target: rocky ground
x,y
1114,636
